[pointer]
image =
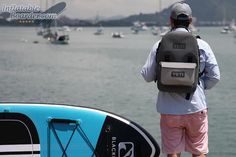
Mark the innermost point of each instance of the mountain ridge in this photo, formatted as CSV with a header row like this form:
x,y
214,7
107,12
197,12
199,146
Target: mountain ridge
x,y
217,11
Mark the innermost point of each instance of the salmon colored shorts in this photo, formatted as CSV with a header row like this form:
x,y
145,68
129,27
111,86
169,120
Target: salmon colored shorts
x,y
188,133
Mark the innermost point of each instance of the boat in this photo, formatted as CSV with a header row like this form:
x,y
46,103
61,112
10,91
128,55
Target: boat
x,y
79,29
49,29
232,26
135,31
139,26
44,26
99,31
117,35
225,30
59,37
155,31
229,29
53,130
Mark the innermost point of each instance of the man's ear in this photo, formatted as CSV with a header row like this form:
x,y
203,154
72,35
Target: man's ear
x,y
171,22
190,20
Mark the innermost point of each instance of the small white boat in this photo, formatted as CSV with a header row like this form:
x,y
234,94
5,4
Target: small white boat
x,y
58,38
135,31
139,26
155,31
225,30
99,31
79,29
117,35
229,29
63,39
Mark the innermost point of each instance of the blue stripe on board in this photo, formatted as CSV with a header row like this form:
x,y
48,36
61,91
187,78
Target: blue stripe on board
x,y
40,114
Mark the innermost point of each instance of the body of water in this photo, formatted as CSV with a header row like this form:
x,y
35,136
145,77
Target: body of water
x,y
103,72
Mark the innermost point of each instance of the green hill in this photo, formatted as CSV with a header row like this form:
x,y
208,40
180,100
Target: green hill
x,y
213,10
207,12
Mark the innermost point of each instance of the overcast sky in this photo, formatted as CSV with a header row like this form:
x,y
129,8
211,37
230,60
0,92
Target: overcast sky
x,y
107,8
103,8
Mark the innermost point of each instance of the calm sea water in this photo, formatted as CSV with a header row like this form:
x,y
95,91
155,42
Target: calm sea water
x,y
102,72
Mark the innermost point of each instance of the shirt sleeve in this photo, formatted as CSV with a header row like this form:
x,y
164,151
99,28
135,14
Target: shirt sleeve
x,y
211,71
148,71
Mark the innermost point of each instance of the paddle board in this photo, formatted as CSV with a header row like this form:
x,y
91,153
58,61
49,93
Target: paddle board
x,y
50,130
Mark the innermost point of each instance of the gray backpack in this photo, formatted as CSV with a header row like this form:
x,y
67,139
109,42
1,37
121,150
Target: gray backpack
x,y
178,63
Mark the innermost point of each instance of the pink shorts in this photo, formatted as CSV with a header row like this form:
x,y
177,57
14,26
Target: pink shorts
x,y
188,133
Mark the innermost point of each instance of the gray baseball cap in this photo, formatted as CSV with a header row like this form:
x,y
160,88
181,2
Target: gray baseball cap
x,y
181,8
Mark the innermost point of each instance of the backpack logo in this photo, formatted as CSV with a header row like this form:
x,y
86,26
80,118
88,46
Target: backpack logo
x,y
126,149
179,74
179,46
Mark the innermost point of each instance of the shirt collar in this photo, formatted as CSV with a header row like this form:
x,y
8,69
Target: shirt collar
x,y
181,29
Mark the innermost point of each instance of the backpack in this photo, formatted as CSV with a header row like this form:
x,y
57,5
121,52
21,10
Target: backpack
x,y
178,63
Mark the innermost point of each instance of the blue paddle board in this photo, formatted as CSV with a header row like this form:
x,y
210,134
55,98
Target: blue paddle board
x,y
49,130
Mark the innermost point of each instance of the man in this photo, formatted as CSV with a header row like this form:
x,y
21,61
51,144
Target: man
x,y
184,123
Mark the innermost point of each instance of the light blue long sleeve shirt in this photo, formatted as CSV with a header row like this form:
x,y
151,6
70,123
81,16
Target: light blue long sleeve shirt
x,y
175,103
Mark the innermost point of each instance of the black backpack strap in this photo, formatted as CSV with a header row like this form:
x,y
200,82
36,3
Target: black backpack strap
x,y
201,73
188,96
198,37
157,57
157,50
